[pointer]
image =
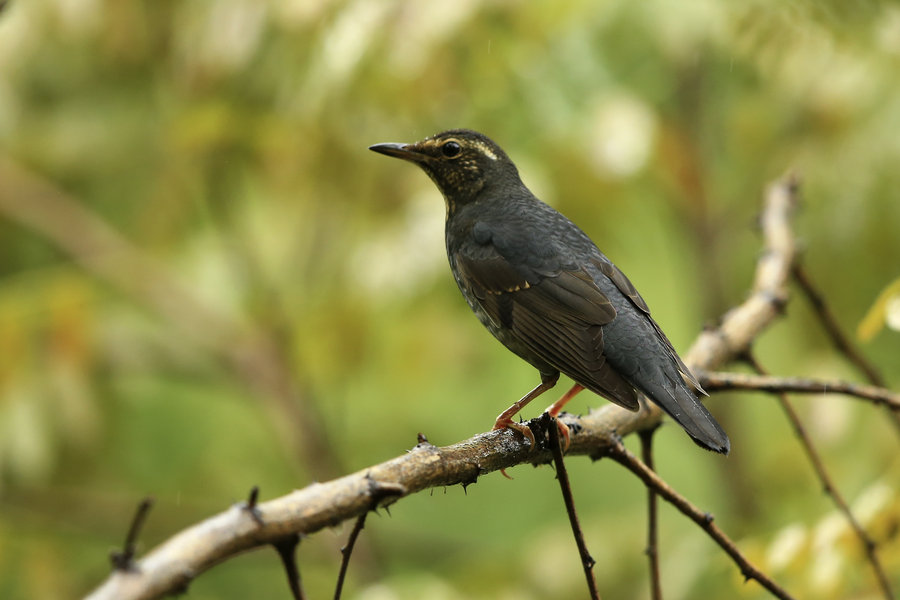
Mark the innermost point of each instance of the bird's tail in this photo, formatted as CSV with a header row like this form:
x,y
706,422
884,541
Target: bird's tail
x,y
682,404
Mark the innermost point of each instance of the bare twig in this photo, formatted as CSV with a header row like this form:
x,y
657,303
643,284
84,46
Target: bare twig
x,y
652,545
587,561
124,560
621,455
287,551
718,381
830,323
830,489
346,551
840,341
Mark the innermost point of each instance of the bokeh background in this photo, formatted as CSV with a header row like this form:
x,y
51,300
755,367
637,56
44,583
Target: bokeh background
x,y
208,283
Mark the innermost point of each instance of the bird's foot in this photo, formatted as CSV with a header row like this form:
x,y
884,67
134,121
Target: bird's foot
x,y
507,423
556,408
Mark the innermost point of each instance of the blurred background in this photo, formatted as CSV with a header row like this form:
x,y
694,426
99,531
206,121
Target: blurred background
x,y
208,283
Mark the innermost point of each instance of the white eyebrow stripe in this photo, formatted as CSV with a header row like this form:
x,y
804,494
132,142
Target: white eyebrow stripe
x,y
485,149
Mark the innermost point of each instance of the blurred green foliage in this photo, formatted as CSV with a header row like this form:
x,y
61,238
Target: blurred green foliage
x,y
207,282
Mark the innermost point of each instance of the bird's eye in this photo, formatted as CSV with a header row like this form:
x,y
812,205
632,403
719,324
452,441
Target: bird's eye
x,y
451,149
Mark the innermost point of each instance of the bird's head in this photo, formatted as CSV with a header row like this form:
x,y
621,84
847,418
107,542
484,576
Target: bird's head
x,y
461,162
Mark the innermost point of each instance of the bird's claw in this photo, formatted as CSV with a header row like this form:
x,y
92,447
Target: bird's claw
x,y
523,429
504,422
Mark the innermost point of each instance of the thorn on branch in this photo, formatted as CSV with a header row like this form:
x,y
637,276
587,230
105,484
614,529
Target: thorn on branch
x,y
381,490
251,508
124,560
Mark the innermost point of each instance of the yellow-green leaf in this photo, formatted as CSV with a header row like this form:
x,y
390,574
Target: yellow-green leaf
x,y
877,316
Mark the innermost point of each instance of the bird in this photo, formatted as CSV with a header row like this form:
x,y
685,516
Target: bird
x,y
539,284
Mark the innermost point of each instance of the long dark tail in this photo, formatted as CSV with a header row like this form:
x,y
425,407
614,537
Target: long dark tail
x,y
682,404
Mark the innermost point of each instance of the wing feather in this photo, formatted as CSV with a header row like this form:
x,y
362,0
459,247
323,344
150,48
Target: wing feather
x,y
558,317
627,288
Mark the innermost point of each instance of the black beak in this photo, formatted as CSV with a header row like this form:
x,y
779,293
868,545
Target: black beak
x,y
403,151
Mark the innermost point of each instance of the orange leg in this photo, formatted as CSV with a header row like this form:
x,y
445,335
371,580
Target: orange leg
x,y
555,408
504,420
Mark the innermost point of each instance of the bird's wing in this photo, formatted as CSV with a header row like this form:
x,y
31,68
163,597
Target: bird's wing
x,y
627,288
623,283
556,313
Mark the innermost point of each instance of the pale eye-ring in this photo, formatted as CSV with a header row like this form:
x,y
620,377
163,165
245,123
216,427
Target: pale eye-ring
x,y
451,149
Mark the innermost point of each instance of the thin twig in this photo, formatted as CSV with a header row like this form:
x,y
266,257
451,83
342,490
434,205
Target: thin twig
x,y
652,535
621,455
587,561
840,341
287,550
123,560
378,492
346,551
830,323
718,381
827,484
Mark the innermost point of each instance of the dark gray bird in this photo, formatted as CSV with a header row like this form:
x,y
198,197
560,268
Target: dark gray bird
x,y
542,288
